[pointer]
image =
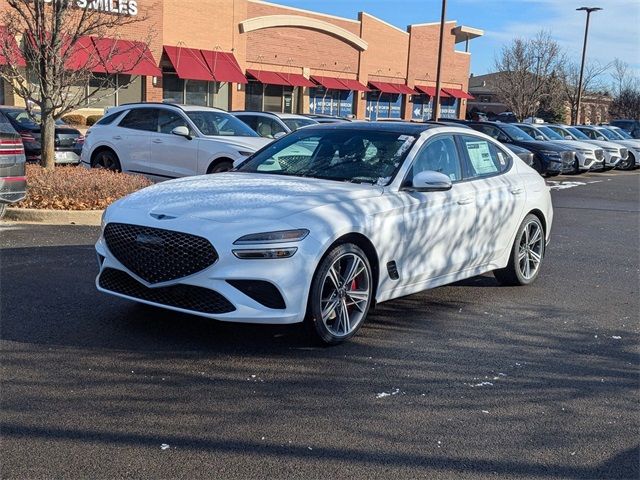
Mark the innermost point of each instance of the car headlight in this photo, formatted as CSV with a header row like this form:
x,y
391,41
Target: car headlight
x,y
265,253
102,223
586,151
550,153
281,236
245,153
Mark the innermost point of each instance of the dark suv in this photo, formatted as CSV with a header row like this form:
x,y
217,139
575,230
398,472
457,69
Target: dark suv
x,y
68,140
13,182
548,159
632,127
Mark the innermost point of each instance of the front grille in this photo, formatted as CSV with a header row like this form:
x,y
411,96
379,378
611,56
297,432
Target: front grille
x,y
187,297
623,153
567,157
599,154
158,255
261,291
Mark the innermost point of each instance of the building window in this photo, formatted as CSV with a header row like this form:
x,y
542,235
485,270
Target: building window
x,y
195,92
113,90
271,98
331,102
383,105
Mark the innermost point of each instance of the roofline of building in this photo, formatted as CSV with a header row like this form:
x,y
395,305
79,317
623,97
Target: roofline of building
x,y
384,22
431,23
304,11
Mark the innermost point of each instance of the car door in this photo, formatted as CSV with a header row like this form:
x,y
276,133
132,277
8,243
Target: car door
x,y
499,195
438,227
132,138
172,156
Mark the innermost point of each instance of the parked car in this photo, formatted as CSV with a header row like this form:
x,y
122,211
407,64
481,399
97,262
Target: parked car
x,y
549,159
525,155
375,211
506,117
13,180
602,133
588,156
165,140
623,135
273,125
632,127
613,153
68,140
327,118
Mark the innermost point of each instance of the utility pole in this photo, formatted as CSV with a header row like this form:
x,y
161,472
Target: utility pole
x,y
436,99
576,115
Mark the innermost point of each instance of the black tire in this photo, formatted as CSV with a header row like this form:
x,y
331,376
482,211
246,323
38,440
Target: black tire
x,y
221,166
3,209
512,274
576,167
629,163
324,331
537,166
106,159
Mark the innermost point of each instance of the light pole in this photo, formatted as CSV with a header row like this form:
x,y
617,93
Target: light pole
x,y
576,116
436,100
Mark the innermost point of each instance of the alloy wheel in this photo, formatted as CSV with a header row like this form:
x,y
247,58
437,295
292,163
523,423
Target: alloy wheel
x,y
530,250
345,294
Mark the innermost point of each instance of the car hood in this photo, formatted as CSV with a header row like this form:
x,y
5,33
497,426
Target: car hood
x,y
543,145
575,144
635,144
603,143
241,143
235,197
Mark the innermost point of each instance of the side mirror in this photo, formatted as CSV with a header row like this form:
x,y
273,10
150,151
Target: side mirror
x,y
279,135
600,137
429,181
568,137
182,131
539,137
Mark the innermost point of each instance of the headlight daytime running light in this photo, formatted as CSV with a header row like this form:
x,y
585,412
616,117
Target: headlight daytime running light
x,y
280,236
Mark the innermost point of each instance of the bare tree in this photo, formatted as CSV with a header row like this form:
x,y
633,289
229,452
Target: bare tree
x,y
626,104
63,44
623,78
591,81
525,69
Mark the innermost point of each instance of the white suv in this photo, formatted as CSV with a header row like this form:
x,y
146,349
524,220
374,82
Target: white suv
x,y
165,141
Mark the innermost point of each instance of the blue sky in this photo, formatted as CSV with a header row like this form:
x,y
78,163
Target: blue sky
x,y
614,31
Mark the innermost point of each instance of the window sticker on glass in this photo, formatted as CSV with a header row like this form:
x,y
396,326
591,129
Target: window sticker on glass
x,y
480,157
501,159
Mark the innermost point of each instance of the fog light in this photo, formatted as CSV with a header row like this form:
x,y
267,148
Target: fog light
x,y
265,253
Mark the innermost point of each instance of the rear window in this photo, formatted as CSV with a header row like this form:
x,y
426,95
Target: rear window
x,y
108,119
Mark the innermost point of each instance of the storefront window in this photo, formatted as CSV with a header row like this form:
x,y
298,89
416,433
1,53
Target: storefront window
x,y
195,92
103,89
449,107
331,102
219,92
253,96
273,98
132,91
383,105
422,107
172,89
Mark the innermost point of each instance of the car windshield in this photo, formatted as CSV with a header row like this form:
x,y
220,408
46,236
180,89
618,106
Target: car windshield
x,y
516,133
577,133
219,123
549,133
296,123
622,133
345,155
22,117
607,134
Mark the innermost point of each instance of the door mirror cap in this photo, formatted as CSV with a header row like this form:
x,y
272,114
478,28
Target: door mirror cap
x,y
429,181
182,131
601,137
568,137
539,137
279,135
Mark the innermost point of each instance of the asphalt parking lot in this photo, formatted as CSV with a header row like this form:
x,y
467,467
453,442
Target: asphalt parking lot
x,y
467,381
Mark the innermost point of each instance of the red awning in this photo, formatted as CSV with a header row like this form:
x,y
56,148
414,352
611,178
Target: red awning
x,y
189,63
330,83
223,66
457,93
9,45
82,55
297,80
124,56
354,85
385,87
270,78
431,91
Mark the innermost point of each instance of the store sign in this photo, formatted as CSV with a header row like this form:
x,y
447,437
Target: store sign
x,y
116,7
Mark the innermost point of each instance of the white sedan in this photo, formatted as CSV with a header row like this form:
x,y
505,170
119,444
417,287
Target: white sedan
x,y
324,223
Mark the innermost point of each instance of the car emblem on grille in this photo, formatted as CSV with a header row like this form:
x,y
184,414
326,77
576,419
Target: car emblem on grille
x,y
161,216
150,242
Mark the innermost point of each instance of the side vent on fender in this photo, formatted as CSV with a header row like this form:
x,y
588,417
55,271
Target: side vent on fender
x,y
392,268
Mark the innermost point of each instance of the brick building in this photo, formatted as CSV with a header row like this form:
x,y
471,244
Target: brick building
x,y
251,54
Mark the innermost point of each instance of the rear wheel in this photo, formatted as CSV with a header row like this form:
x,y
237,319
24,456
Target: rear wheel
x,y
526,255
221,166
106,159
340,296
629,163
576,166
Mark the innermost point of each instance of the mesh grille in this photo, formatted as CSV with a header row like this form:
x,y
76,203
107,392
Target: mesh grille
x,y
187,297
158,255
599,154
262,292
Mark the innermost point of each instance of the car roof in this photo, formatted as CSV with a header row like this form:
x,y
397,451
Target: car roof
x,y
405,128
177,106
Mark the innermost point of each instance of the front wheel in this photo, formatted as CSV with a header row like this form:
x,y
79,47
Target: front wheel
x,y
526,255
106,159
223,166
340,296
629,163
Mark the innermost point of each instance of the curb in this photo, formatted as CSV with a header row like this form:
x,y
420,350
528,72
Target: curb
x,y
54,217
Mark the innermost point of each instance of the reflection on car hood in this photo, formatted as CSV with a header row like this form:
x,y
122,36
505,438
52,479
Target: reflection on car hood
x,y
603,143
242,143
237,196
543,145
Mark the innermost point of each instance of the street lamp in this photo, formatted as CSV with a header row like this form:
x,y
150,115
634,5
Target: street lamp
x,y
576,118
436,100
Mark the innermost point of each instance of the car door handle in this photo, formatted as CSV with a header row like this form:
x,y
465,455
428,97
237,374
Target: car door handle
x,y
465,200
157,140
517,191
117,137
